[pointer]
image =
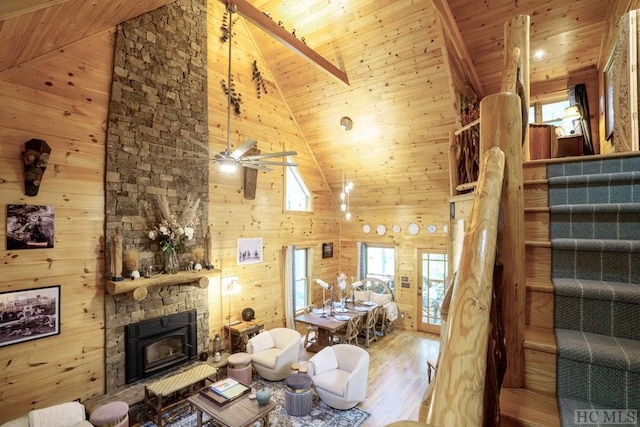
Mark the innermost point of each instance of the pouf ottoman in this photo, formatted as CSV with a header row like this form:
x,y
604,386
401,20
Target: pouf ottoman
x,y
113,414
297,395
239,367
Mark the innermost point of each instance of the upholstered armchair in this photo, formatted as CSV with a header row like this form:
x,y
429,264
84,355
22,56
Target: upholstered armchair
x,y
339,374
70,414
273,351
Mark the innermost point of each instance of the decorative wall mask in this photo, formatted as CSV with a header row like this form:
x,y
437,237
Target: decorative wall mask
x,y
36,157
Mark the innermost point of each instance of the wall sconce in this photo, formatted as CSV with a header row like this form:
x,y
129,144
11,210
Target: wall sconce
x,y
36,157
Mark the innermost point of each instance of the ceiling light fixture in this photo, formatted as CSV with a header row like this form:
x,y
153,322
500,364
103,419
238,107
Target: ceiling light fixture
x,y
347,185
230,160
539,55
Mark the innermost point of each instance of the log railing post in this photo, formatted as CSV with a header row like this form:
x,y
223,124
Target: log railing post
x,y
501,126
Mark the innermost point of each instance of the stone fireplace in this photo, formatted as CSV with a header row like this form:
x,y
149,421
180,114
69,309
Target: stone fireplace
x,y
171,337
157,345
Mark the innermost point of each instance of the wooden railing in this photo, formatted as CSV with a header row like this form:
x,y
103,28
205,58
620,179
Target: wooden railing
x,y
491,273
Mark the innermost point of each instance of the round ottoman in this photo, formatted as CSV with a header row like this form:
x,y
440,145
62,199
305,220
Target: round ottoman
x,y
239,367
113,414
297,395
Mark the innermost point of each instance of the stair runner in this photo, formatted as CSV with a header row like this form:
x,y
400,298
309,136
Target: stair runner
x,y
595,238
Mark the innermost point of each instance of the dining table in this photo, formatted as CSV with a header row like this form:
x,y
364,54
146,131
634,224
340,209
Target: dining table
x,y
329,321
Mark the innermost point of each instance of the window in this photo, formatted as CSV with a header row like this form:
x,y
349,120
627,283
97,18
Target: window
x,y
297,195
551,112
378,262
301,257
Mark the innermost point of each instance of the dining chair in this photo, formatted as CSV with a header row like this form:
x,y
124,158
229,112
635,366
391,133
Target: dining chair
x,y
381,322
312,331
368,329
351,331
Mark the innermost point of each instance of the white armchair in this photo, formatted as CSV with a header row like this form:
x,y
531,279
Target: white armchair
x,y
273,351
339,374
70,414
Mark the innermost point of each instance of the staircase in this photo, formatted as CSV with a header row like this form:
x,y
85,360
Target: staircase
x,y
582,231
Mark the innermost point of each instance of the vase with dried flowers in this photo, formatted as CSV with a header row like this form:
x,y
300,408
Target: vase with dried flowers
x,y
198,256
342,289
171,232
131,263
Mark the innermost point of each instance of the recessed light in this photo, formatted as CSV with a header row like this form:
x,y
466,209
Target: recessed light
x,y
539,55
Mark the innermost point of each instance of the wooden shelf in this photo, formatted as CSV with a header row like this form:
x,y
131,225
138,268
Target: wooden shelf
x,y
138,287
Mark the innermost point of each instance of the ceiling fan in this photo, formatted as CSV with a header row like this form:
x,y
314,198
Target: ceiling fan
x,y
230,160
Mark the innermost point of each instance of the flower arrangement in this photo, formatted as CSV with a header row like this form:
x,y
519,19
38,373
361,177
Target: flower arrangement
x,y
342,287
171,232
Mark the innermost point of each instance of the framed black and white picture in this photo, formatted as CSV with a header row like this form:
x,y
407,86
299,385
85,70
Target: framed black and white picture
x,y
327,250
30,227
29,314
250,251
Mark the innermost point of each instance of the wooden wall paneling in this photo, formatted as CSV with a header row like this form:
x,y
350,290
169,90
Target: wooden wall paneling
x,y
267,120
74,185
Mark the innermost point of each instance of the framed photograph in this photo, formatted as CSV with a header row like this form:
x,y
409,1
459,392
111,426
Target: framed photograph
x,y
29,314
608,99
327,250
250,251
29,227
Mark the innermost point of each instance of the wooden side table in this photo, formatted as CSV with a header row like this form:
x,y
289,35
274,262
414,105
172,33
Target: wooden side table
x,y
220,365
240,332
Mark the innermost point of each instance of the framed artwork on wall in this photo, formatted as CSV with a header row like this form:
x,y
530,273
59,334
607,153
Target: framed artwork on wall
x,y
327,250
30,227
29,314
250,251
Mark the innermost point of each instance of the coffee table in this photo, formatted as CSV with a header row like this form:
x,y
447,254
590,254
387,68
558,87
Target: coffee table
x,y
242,412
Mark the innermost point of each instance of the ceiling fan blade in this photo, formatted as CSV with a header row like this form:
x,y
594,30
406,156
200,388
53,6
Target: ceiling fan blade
x,y
268,155
269,163
258,167
248,144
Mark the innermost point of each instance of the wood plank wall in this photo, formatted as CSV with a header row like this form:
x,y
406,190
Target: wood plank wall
x,y
268,120
62,98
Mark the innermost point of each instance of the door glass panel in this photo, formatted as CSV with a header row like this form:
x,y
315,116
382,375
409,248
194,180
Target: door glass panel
x,y
434,279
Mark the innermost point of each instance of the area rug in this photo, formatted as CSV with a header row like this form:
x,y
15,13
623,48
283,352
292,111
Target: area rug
x,y
320,416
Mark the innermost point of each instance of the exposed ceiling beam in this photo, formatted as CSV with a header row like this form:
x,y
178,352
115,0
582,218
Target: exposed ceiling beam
x,y
451,27
270,27
13,8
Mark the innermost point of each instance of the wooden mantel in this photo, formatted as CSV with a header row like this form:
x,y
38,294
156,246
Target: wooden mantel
x,y
138,287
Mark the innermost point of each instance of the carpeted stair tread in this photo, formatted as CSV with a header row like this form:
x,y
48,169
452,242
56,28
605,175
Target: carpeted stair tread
x,y
595,289
606,178
621,187
594,166
596,208
595,221
604,245
596,349
598,307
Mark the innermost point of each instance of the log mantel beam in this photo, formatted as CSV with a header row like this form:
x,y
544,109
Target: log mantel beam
x,y
138,287
270,27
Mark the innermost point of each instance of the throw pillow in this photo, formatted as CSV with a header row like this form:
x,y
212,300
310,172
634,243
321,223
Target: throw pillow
x,y
380,299
324,361
362,295
262,342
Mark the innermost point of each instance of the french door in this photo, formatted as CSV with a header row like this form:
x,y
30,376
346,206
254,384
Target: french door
x,y
432,278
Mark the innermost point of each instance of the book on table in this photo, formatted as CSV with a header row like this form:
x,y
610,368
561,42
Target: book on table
x,y
224,391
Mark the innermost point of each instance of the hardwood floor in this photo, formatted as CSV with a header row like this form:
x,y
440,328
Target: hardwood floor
x,y
397,376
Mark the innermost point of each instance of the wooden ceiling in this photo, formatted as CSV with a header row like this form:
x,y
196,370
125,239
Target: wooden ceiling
x,y
401,96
